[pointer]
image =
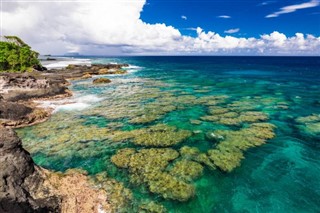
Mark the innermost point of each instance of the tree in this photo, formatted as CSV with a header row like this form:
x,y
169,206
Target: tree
x,y
15,55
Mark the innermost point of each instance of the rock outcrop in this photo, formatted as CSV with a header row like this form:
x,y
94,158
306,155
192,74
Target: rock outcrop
x,y
26,187
13,111
101,81
24,86
79,71
17,90
20,180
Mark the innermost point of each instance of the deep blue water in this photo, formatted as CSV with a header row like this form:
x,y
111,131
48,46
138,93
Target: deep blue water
x,y
282,175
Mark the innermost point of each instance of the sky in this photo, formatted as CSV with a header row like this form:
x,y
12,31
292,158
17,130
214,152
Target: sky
x,y
165,27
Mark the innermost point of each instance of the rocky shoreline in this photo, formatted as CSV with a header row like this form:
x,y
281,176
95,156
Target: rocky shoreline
x,y
19,90
24,186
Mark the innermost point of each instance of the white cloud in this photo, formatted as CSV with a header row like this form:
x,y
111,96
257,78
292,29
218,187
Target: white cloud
x,y
266,3
224,16
230,31
184,17
114,27
294,8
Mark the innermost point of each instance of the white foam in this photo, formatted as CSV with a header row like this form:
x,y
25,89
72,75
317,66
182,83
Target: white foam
x,y
77,103
64,62
133,68
72,107
89,99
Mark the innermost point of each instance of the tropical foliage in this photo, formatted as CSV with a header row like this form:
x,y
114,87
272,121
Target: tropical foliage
x,y
15,55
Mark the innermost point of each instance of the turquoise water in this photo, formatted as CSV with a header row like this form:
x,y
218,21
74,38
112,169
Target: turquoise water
x,y
281,174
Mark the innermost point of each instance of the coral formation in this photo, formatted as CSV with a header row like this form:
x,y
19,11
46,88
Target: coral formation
x,y
148,166
119,197
186,170
159,135
194,154
229,152
310,124
232,116
152,207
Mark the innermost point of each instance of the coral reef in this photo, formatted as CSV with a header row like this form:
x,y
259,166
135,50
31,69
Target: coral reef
x,y
229,152
186,170
194,154
119,197
159,135
148,166
226,159
152,207
310,124
309,119
232,116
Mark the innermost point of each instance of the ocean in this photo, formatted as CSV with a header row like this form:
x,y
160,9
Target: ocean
x,y
193,134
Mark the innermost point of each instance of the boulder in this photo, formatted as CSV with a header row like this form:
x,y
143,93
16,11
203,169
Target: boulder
x,y
101,81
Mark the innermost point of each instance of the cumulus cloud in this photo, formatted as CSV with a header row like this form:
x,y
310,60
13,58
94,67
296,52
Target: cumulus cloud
x,y
115,27
294,8
184,17
224,16
230,31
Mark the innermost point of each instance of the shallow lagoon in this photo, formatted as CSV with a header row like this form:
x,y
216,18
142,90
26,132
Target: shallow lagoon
x,y
176,102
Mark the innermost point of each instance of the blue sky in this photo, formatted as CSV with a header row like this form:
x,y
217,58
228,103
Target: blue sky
x,y
165,27
249,16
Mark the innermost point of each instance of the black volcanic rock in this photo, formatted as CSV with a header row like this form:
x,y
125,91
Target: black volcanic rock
x,y
21,184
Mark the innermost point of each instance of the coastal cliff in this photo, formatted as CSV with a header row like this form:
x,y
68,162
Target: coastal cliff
x,y
21,181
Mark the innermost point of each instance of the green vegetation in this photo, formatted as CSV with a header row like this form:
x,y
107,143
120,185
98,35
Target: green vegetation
x,y
15,55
